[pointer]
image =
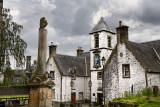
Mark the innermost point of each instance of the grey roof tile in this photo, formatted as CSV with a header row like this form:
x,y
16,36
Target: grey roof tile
x,y
147,54
102,26
66,63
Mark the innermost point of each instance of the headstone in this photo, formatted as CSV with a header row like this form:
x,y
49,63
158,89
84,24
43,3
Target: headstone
x,y
155,91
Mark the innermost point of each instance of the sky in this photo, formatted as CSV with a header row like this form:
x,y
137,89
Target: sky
x,y
71,21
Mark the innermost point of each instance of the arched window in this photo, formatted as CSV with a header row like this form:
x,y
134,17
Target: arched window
x,y
96,38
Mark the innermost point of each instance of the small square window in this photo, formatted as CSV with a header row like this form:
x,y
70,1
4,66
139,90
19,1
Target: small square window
x,y
126,70
99,75
52,73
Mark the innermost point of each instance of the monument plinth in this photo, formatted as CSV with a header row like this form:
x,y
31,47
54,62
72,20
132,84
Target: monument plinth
x,y
41,85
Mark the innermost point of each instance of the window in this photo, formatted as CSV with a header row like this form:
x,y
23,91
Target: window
x,y
80,95
109,41
96,38
99,85
126,70
53,94
97,60
52,74
99,75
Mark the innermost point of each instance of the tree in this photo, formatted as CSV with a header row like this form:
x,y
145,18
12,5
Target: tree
x,y
10,42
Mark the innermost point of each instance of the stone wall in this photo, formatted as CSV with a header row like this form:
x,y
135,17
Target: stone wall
x,y
112,80
13,91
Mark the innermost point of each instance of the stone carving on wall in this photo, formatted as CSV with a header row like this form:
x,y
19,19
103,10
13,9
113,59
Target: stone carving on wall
x,y
43,22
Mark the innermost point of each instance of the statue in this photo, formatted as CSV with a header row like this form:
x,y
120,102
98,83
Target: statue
x,y
43,22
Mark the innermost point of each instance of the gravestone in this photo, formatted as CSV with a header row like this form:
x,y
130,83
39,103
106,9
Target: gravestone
x,y
41,85
155,91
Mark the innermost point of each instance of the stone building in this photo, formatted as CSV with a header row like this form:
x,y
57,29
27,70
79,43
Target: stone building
x,y
125,67
63,69
130,65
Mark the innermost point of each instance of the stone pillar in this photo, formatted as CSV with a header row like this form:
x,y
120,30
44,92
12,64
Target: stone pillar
x,y
41,85
42,48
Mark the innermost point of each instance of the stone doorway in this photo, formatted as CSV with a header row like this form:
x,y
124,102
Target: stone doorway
x,y
73,97
99,98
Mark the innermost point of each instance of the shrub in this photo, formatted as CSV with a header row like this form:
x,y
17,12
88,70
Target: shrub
x,y
61,104
71,104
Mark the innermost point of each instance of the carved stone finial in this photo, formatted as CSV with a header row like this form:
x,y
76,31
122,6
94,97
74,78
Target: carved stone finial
x,y
43,22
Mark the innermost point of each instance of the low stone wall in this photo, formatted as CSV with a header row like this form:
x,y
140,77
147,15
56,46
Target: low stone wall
x,y
13,91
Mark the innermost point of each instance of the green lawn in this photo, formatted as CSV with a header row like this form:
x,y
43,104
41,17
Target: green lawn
x,y
13,96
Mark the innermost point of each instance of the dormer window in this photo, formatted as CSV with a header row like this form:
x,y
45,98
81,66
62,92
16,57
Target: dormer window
x,y
109,41
73,73
126,70
96,38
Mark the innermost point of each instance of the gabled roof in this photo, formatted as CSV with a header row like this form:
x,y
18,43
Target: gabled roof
x,y
102,26
148,54
145,53
65,63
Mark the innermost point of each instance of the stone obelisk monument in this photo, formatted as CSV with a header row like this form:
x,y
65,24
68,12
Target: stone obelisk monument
x,y
41,85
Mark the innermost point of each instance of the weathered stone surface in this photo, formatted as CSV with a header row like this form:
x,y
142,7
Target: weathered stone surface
x,y
155,90
42,47
40,97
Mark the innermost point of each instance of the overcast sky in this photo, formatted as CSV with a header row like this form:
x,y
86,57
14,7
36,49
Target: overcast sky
x,y
70,21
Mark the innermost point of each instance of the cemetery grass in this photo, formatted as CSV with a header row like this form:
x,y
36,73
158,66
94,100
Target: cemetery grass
x,y
140,99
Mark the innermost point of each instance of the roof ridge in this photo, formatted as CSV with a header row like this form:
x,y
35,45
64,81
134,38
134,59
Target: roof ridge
x,y
70,56
150,41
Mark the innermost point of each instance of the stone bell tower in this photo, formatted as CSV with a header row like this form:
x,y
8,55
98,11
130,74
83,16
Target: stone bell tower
x,y
101,44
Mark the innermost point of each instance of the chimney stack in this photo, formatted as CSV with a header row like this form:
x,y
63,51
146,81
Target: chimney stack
x,y
52,49
79,51
122,33
28,63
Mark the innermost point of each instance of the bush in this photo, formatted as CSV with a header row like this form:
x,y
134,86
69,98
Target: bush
x,y
61,104
71,104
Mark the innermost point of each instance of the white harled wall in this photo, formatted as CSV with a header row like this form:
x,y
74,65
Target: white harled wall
x,y
81,84
105,51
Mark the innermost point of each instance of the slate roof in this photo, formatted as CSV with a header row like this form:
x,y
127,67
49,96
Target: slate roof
x,y
66,63
102,26
148,54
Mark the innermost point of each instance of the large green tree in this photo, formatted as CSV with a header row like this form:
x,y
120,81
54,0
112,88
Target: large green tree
x,y
11,44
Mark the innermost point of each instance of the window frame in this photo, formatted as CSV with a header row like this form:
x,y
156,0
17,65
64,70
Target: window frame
x,y
98,75
53,93
97,65
52,72
96,40
124,72
109,41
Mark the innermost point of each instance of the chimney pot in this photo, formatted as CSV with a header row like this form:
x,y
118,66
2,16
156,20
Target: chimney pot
x,y
52,49
51,43
79,51
120,23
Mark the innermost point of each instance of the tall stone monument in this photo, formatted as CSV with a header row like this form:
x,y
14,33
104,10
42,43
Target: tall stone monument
x,y
41,85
